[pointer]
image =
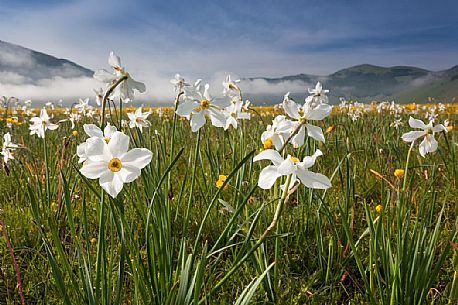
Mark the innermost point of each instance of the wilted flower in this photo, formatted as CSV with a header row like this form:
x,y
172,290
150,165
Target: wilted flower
x,y
290,166
41,124
429,143
113,163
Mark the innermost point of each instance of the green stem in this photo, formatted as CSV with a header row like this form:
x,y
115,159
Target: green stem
x,y
100,248
193,178
260,241
172,138
120,113
277,239
45,153
407,167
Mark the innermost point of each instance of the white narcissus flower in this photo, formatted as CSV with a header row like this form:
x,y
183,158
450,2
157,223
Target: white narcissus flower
x,y
198,104
138,119
235,112
113,163
310,111
98,96
277,133
290,166
82,105
230,87
7,148
94,131
125,90
74,117
178,83
429,143
41,124
317,95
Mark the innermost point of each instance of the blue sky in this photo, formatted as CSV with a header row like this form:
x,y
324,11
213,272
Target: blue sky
x,y
156,39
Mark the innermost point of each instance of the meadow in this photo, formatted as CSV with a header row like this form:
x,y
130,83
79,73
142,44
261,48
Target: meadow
x,y
228,214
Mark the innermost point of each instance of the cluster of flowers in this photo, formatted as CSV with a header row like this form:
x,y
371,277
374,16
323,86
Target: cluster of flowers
x,y
355,110
105,155
198,104
293,130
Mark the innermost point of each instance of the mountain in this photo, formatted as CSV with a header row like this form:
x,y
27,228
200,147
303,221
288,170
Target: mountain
x,y
26,73
22,66
368,82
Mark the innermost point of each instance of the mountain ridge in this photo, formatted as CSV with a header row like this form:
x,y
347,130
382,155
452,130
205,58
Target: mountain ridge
x,y
20,66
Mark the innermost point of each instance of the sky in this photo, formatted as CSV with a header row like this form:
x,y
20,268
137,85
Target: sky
x,y
208,39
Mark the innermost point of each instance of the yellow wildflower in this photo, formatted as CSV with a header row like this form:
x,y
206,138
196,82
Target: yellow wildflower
x,y
330,129
379,208
399,173
221,180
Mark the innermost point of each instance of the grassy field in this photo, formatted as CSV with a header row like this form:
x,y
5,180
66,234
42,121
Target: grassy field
x,y
176,236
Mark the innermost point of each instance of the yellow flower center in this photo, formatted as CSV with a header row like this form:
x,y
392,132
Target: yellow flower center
x,y
74,133
115,165
294,159
267,143
43,122
429,131
450,128
204,104
301,111
106,139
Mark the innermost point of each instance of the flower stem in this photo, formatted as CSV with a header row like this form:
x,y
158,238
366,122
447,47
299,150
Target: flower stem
x,y
193,179
105,98
45,153
172,138
295,131
277,239
260,241
406,168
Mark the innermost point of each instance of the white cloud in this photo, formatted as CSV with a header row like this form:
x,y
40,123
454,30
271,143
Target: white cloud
x,y
55,88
